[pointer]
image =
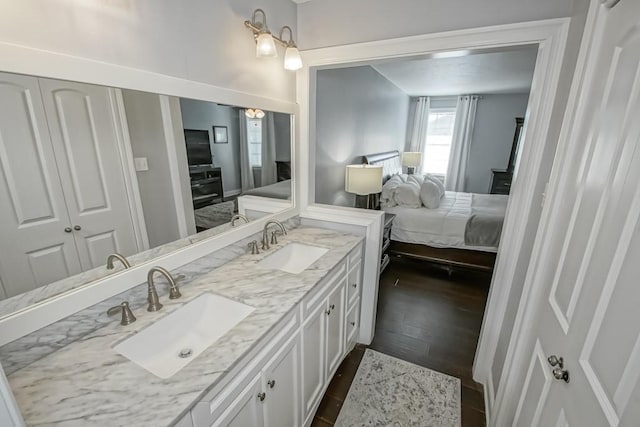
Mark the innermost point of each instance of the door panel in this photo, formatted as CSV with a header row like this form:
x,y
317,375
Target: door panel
x,y
84,137
313,355
589,313
35,249
246,410
335,328
282,378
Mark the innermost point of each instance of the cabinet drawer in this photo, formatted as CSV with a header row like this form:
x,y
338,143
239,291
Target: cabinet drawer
x,y
354,283
353,324
355,256
317,295
214,403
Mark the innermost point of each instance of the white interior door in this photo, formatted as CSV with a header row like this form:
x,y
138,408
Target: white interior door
x,y
589,312
83,133
35,249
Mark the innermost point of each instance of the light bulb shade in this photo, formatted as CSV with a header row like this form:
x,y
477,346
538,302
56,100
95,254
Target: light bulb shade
x,y
266,46
292,59
259,113
363,179
411,159
250,113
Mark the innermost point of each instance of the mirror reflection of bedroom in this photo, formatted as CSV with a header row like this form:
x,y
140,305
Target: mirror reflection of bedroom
x,y
435,143
235,154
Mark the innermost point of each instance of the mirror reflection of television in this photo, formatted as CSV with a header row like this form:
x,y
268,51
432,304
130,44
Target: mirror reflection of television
x,y
198,147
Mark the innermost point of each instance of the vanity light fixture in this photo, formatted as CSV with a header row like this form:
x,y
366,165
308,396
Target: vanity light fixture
x,y
265,41
254,113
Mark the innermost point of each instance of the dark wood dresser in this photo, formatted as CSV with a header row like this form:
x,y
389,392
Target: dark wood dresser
x,y
500,181
386,240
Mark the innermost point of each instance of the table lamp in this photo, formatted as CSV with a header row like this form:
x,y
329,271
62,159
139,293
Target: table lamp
x,y
363,180
411,159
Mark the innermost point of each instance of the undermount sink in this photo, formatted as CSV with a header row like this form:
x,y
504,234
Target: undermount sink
x,y
293,258
172,342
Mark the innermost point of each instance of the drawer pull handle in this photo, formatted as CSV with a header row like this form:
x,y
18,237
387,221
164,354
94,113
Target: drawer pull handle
x,y
262,396
355,285
271,383
332,306
353,323
328,312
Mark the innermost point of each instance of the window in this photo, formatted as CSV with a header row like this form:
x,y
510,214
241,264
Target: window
x,y
435,158
254,138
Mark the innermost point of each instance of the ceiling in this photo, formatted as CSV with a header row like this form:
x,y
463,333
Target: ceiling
x,y
504,71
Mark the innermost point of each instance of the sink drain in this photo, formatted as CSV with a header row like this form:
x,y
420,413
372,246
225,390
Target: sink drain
x,y
185,352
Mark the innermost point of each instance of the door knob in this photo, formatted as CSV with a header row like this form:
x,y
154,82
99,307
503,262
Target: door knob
x,y
561,374
556,361
271,383
67,230
262,396
77,227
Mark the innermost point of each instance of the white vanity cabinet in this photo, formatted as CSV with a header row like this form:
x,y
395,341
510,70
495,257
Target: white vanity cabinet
x,y
281,382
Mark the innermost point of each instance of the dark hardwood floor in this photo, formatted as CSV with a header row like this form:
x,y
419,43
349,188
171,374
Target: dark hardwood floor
x,y
430,319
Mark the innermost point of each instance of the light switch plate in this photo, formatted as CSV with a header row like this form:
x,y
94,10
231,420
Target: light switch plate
x,y
141,164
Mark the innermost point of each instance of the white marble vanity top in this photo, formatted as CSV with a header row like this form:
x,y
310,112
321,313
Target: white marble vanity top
x,y
88,383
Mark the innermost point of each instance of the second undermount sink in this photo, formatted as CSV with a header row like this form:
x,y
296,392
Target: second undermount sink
x,y
172,342
293,258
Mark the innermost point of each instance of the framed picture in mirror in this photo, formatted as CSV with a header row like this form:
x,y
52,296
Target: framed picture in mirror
x,y
220,135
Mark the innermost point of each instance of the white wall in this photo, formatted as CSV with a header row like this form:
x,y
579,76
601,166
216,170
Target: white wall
x,y
492,138
202,115
358,112
323,23
199,40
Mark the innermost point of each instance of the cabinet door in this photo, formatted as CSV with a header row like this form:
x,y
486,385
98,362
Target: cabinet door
x,y
313,354
282,385
354,284
335,328
247,409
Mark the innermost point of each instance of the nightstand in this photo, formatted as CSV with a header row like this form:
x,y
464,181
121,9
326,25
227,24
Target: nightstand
x,y
386,240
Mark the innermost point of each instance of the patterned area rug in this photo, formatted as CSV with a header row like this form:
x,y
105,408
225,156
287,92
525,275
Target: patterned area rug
x,y
391,392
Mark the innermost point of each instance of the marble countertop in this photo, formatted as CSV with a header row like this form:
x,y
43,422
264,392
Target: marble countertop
x,y
89,383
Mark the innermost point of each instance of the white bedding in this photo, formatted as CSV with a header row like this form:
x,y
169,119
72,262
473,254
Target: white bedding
x,y
442,227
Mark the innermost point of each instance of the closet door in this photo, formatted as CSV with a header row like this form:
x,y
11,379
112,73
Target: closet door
x,y
33,216
84,137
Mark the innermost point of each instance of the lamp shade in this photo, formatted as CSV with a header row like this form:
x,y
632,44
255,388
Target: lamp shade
x,y
363,179
411,158
266,46
292,60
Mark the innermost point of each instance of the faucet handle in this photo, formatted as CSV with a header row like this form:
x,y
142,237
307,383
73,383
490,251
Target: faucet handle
x,y
127,315
274,237
253,245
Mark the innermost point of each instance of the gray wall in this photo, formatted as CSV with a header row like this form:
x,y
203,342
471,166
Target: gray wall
x,y
282,123
492,138
205,41
203,115
324,23
358,112
148,140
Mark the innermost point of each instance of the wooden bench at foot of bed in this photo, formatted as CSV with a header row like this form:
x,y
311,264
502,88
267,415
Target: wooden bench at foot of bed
x,y
449,257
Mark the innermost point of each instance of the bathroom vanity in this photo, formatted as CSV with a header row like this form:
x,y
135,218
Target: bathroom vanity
x,y
271,368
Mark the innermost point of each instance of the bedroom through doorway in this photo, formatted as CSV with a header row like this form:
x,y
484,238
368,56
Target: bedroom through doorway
x,y
447,132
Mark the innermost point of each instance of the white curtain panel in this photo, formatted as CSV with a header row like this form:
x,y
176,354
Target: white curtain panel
x,y
420,123
269,173
460,146
246,174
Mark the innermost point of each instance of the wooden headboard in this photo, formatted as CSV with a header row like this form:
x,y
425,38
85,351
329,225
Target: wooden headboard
x,y
390,161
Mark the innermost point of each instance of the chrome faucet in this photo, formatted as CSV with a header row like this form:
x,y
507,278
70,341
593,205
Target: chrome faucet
x,y
152,298
237,217
120,258
265,238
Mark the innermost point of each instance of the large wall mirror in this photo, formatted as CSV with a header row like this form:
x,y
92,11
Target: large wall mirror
x,y
88,171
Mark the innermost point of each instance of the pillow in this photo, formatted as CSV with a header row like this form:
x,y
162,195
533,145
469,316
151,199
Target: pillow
x,y
415,179
437,181
430,194
388,189
407,195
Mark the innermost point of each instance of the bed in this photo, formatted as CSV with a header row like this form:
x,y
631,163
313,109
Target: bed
x,y
279,190
463,231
